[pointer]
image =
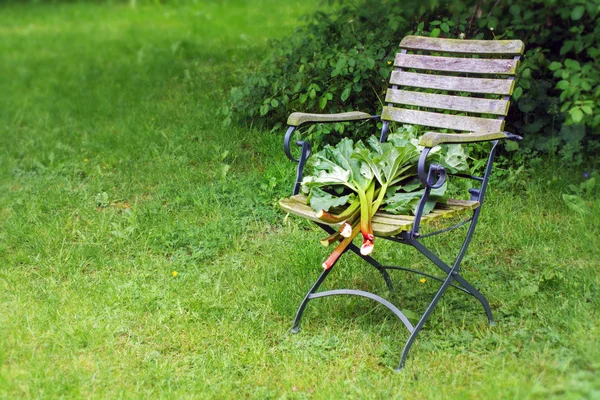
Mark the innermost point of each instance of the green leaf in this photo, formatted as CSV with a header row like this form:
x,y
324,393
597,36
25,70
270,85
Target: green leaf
x,y
577,13
455,159
566,47
585,85
576,114
322,102
518,93
435,32
572,64
264,109
321,200
346,93
554,65
403,202
572,133
444,26
341,63
274,103
411,315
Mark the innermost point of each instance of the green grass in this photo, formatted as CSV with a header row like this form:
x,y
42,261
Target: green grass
x,y
115,171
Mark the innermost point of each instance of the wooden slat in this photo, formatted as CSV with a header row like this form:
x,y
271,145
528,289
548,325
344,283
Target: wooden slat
x,y
454,64
470,204
381,226
448,102
384,224
438,120
453,83
500,47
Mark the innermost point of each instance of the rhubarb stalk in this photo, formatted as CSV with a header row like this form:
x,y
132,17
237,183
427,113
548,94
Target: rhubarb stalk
x,y
335,219
340,248
334,237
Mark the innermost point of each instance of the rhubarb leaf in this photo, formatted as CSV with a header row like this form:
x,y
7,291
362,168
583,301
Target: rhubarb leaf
x,y
455,159
406,202
321,200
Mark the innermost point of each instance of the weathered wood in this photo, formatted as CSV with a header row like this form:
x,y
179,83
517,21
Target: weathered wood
x,y
430,139
468,204
438,120
384,224
453,83
301,209
500,47
447,102
296,119
455,64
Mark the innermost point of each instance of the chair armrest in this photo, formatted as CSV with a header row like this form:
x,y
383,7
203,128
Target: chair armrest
x,y
297,119
431,139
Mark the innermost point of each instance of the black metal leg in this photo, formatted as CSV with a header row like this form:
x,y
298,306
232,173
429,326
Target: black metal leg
x,y
307,299
462,281
376,264
423,319
452,276
477,294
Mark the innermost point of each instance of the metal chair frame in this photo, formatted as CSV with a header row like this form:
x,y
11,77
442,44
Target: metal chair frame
x,y
431,176
411,238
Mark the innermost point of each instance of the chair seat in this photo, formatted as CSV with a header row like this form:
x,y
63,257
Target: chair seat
x,y
384,224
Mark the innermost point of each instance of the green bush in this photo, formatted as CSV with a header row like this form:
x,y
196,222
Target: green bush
x,y
341,61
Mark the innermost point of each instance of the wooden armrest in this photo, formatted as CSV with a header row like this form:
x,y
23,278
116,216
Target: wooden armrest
x,y
431,139
297,119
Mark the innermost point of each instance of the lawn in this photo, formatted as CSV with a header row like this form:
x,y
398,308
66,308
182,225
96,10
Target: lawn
x,y
142,253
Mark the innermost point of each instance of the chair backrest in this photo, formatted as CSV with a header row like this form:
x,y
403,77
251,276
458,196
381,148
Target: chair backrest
x,y
473,78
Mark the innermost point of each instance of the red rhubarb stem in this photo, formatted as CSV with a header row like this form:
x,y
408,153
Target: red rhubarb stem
x,y
333,257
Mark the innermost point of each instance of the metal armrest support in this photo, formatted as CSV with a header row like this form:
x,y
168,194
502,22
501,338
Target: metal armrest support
x,y
297,119
305,150
432,179
427,176
286,144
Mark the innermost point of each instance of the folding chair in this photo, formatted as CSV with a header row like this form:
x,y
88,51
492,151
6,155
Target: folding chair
x,y
434,80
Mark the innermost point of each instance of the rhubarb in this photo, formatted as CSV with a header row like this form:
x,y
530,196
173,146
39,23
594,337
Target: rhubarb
x,y
361,179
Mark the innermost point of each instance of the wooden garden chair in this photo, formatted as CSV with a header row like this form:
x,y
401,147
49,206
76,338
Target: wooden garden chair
x,y
473,81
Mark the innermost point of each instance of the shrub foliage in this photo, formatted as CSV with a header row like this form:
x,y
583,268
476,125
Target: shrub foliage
x,y
341,60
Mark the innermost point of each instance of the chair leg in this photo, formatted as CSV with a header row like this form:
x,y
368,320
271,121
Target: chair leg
x,y
376,264
312,290
458,278
477,294
453,275
424,318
